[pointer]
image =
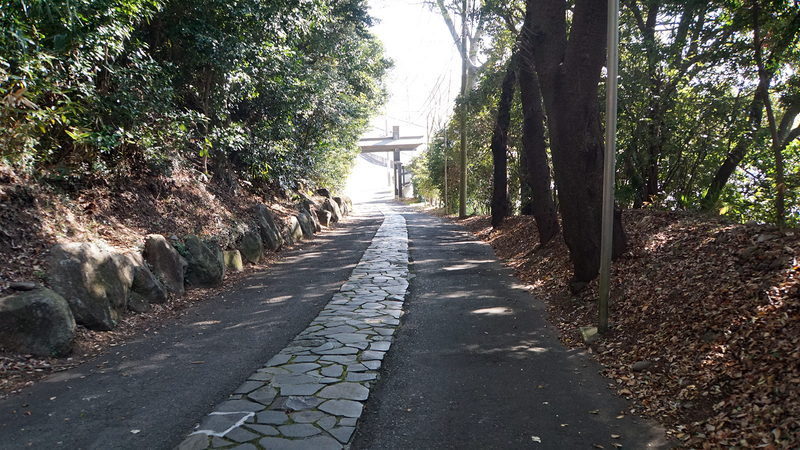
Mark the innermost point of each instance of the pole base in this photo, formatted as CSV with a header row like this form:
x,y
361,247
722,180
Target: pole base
x,y
589,334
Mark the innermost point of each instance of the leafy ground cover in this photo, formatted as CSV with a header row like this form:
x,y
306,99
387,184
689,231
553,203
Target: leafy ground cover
x,y
705,333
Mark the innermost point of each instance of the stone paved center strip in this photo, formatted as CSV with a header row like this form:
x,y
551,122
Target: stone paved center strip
x,y
312,393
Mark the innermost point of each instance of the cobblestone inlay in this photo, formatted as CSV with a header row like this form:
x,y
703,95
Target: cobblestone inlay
x,y
311,394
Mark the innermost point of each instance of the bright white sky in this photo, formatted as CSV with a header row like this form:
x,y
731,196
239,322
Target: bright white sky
x,y
426,77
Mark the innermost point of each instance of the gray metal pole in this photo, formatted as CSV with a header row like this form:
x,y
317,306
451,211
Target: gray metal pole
x,y
462,188
446,211
398,183
609,164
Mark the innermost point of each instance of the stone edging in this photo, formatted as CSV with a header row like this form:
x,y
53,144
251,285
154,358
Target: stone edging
x,y
311,394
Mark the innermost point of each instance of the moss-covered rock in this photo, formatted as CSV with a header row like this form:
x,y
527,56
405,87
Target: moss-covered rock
x,y
38,322
206,268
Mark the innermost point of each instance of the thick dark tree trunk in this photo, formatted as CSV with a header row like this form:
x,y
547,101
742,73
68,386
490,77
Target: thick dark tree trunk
x,y
569,72
500,206
535,168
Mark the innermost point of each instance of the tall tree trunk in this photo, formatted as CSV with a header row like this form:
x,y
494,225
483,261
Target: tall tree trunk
x,y
662,89
735,156
533,159
777,148
471,54
500,207
569,70
656,121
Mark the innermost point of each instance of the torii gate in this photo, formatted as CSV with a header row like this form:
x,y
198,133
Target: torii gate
x,y
396,144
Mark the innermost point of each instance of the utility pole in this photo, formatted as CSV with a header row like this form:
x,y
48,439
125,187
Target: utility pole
x,y
462,191
446,145
445,170
609,166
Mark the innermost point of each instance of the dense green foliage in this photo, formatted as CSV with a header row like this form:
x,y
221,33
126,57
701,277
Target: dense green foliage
x,y
276,91
692,97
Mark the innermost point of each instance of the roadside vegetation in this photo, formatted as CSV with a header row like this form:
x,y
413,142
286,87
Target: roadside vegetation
x,y
275,94
709,114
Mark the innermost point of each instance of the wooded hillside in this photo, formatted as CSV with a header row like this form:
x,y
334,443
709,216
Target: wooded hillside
x,y
274,93
708,111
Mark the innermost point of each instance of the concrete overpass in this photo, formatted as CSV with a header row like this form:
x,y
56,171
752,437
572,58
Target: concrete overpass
x,y
393,144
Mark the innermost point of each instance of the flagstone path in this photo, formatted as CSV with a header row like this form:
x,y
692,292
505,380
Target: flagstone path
x,y
311,394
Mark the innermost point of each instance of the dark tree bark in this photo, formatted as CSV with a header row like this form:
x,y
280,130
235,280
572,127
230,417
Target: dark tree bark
x,y
569,70
536,170
732,160
500,207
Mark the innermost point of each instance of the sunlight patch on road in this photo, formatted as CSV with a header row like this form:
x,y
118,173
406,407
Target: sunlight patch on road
x,y
466,265
280,299
496,311
206,322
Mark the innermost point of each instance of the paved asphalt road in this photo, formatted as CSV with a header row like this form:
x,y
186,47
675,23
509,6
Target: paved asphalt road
x,y
475,365
151,384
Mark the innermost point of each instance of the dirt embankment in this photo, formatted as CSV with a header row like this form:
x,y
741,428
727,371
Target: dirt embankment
x,y
709,310
36,216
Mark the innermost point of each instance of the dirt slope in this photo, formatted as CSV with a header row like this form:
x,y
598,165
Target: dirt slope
x,y
35,216
711,309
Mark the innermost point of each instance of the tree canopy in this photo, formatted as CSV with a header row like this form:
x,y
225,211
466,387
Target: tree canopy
x,y
708,114
277,91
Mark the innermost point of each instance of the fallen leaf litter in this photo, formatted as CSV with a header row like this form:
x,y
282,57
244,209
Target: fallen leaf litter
x,y
705,314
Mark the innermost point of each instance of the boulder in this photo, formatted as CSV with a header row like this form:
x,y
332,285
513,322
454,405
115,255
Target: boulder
x,y
251,247
206,267
332,207
324,217
577,286
294,230
145,284
233,260
22,285
287,237
641,366
310,207
313,214
342,206
306,224
349,202
324,192
216,249
137,303
268,229
94,282
38,322
167,265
